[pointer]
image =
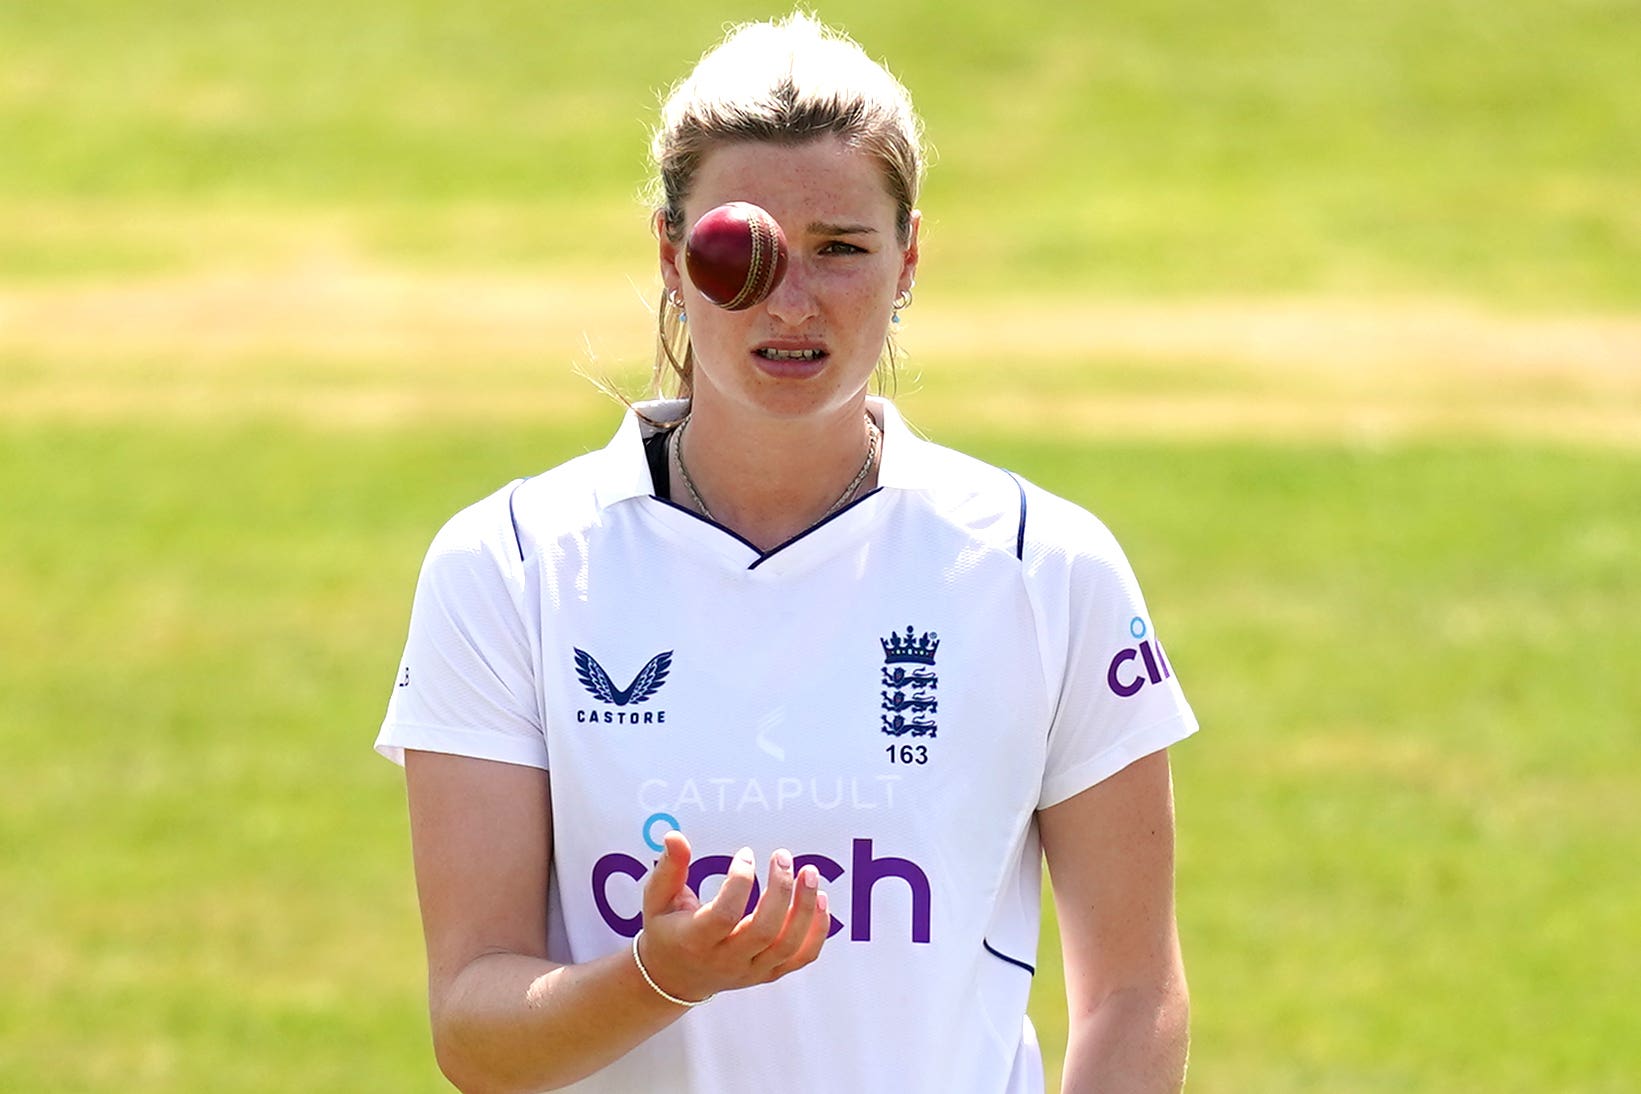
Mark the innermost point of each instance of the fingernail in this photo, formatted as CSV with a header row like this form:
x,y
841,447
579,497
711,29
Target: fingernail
x,y
809,877
783,859
744,854
821,902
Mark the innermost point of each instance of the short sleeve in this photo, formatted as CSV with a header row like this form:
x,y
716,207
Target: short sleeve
x,y
466,684
1116,697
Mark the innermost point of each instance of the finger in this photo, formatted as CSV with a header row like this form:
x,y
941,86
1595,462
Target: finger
x,y
685,901
795,927
763,926
726,908
819,926
668,880
685,898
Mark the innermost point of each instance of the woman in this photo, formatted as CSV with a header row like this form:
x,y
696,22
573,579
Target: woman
x,y
769,617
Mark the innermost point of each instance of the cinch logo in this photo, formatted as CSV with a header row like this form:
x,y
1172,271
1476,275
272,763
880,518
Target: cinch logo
x,y
865,871
601,687
1126,679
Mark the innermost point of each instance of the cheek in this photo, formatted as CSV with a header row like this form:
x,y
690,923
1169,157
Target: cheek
x,y
862,287
711,326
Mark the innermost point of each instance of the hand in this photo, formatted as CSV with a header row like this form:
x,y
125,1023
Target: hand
x,y
693,949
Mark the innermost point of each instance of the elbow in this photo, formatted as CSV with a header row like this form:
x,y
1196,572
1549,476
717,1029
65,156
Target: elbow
x,y
472,1070
1167,1021
1177,1030
462,1072
491,1037
460,1066
1176,1038
1174,1013
1142,1034
1160,1013
476,1064
471,1077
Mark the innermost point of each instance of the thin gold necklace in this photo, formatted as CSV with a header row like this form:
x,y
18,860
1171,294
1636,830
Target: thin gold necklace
x,y
874,437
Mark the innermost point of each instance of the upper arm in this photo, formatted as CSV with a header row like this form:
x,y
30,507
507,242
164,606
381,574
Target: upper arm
x,y
482,840
1110,854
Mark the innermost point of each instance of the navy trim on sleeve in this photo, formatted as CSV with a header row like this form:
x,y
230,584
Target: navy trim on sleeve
x,y
518,540
1020,538
1015,961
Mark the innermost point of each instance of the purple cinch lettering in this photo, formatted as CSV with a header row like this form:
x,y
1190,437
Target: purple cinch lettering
x,y
866,871
827,869
1122,658
718,866
1167,670
1150,663
617,863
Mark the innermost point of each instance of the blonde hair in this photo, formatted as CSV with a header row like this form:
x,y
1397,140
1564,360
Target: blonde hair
x,y
786,82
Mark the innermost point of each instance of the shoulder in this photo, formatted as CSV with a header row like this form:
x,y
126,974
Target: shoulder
x,y
1059,527
569,501
564,501
528,512
478,544
512,524
504,526
983,503
1008,510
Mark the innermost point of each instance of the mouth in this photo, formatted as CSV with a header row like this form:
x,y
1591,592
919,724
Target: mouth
x,y
791,359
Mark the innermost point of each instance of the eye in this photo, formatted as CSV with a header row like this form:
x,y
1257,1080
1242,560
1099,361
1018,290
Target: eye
x,y
839,247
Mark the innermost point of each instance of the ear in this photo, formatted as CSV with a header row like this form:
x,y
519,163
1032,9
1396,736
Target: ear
x,y
908,262
672,257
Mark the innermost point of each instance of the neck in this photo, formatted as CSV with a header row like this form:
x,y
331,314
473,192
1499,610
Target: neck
x,y
769,479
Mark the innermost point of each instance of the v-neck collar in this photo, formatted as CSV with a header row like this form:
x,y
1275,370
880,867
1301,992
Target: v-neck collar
x,y
626,476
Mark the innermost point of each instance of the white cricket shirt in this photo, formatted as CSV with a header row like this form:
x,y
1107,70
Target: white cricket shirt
x,y
892,695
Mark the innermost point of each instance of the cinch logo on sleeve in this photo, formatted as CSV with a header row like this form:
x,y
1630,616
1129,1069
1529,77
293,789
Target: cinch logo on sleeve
x,y
1126,678
641,690
866,871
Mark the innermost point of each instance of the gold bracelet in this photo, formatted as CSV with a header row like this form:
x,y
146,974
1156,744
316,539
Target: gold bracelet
x,y
659,990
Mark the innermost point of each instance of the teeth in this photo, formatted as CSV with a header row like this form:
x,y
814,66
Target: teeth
x,y
791,354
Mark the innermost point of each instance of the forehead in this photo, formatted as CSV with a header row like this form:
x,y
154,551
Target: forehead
x,y
824,179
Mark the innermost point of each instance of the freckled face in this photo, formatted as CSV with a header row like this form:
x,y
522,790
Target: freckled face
x,y
811,347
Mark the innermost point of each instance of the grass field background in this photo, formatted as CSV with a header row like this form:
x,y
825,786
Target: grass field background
x,y
1333,312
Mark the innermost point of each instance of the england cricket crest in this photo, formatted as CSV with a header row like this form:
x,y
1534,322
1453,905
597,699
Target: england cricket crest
x,y
910,684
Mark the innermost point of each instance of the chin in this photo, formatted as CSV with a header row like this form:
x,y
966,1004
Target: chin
x,y
796,402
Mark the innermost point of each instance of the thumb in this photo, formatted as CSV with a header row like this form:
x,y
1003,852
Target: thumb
x,y
668,880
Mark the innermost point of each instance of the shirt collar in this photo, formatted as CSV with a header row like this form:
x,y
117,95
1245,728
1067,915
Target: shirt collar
x,y
625,471
905,463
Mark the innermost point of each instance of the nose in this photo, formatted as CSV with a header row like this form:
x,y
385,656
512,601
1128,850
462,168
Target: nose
x,y
793,302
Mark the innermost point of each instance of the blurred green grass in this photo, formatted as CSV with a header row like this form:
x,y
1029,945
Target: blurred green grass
x,y
1354,147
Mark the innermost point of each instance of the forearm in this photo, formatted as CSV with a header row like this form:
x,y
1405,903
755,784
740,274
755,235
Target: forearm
x,y
1133,1042
510,1023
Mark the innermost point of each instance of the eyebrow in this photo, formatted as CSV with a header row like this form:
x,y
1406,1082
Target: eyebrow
x,y
823,228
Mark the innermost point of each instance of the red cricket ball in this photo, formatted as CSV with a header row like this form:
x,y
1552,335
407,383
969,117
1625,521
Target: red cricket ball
x,y
736,255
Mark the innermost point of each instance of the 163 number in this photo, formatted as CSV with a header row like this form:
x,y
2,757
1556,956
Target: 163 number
x,y
908,754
